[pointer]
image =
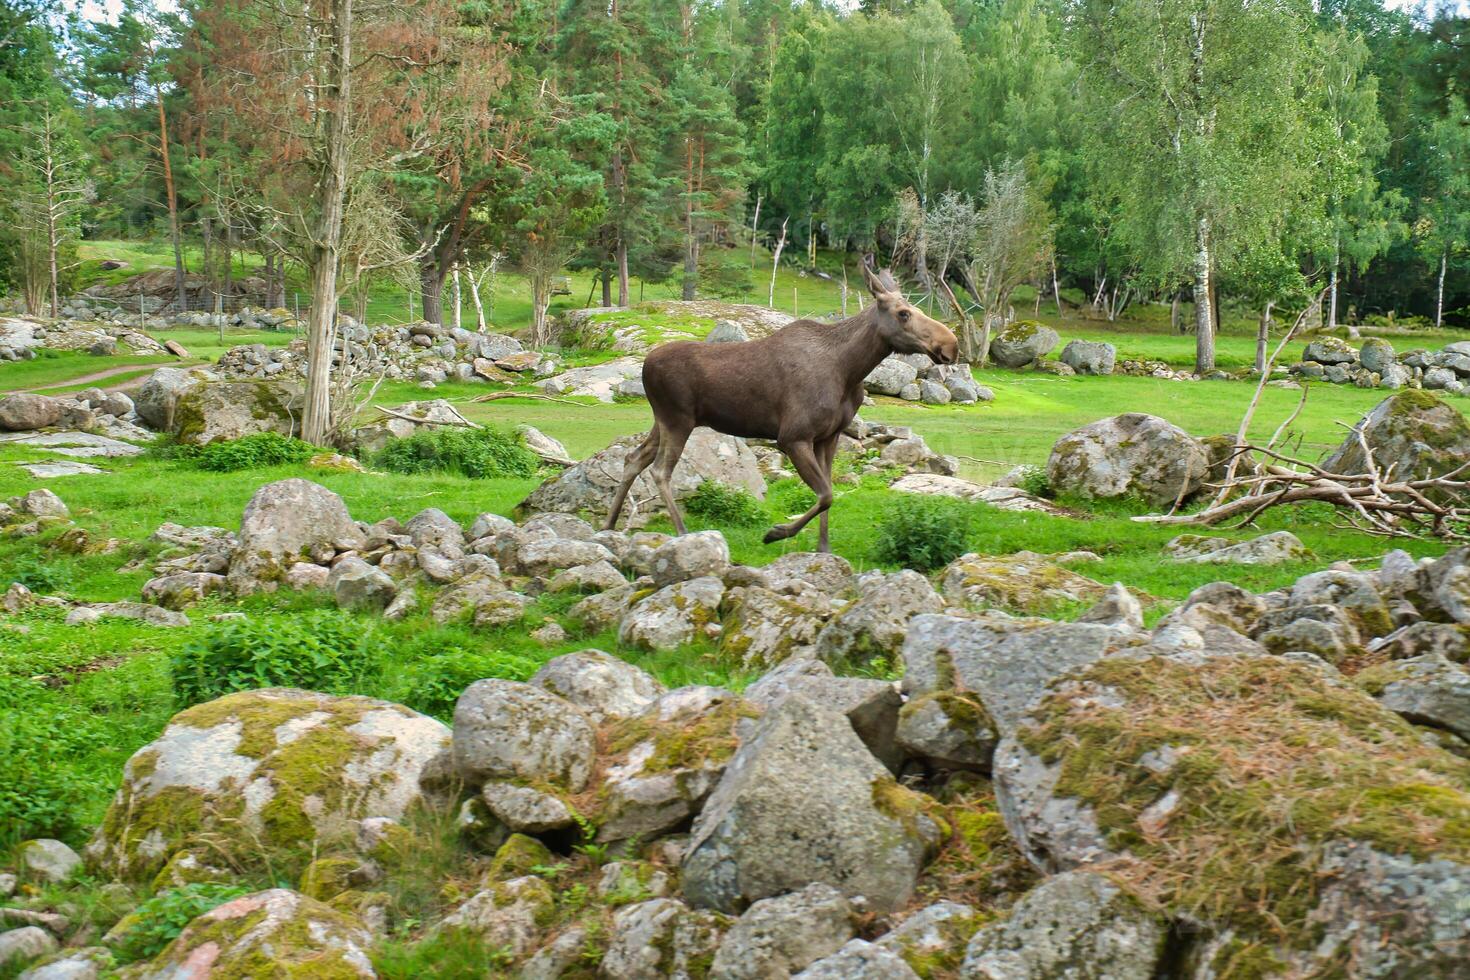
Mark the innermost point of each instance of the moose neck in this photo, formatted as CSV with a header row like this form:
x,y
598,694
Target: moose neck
x,y
862,348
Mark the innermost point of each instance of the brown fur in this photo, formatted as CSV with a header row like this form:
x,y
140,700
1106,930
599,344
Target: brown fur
x,y
800,386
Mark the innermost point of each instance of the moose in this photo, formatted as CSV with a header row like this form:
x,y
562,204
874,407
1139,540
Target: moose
x,y
801,386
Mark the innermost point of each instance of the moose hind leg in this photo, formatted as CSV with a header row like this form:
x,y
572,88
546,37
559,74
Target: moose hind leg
x,y
671,447
636,462
803,456
825,453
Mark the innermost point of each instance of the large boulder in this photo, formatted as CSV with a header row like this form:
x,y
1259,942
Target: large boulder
x,y
689,556
804,801
1089,356
762,628
23,411
217,410
1260,796
1078,925
1427,690
1412,433
595,381
1133,455
158,398
275,770
590,484
276,933
1377,355
661,937
1330,350
284,521
1021,343
1005,663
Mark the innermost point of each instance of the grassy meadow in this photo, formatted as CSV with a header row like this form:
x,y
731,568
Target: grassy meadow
x,y
78,700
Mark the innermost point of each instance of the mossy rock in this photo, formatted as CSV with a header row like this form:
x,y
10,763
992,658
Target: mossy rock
x,y
1412,432
518,856
1262,796
264,775
271,934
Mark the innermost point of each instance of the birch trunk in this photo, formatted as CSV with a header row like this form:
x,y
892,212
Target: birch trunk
x,y
776,263
1263,335
1204,322
331,193
1332,289
1444,257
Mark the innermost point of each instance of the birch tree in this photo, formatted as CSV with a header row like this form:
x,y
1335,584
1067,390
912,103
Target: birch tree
x,y
1193,106
46,206
1443,228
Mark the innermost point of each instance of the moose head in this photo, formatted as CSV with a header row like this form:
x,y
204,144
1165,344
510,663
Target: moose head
x,y
904,326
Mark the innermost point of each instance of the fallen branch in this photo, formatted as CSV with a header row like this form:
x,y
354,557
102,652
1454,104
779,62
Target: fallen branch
x,y
1374,502
497,395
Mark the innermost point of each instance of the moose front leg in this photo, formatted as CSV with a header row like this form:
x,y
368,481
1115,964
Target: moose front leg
x,y
803,456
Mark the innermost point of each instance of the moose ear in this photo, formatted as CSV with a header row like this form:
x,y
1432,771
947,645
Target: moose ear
x,y
876,286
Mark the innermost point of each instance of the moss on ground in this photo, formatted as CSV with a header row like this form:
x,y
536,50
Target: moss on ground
x,y
1274,760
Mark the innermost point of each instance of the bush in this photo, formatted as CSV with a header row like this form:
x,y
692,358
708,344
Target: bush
x,y
324,650
923,533
729,506
479,454
39,575
1033,480
435,683
252,452
158,921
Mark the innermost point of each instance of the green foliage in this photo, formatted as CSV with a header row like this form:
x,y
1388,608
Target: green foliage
x,y
479,454
923,533
1035,481
435,682
790,497
447,954
323,650
252,452
725,505
159,920
40,574
34,802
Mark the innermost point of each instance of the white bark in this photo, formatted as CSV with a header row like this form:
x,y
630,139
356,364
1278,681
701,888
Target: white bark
x,y
1204,324
776,264
1444,257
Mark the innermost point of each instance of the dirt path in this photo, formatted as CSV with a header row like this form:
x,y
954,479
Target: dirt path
x,y
113,372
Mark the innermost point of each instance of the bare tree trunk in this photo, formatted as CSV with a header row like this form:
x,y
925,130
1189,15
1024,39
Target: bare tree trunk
x,y
1444,257
1332,288
1204,323
606,276
755,223
1263,335
776,263
331,192
540,300
1174,324
454,296
1056,290
479,306
431,289
173,201
691,241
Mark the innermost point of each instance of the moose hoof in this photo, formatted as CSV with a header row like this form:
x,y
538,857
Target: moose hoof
x,y
777,533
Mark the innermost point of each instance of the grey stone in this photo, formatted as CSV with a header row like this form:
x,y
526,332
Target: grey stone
x,y
662,937
761,628
508,730
23,411
1427,690
284,520
871,705
859,960
525,809
938,932
874,624
689,556
674,615
801,769
1021,343
357,585
1118,608
1089,356
1411,434
219,410
1272,548
47,860
1330,350
1077,925
890,377
776,937
20,946
603,686
182,589
1128,455
507,916
1007,664
947,730
726,332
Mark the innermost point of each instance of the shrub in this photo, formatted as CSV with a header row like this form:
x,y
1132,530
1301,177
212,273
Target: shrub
x,y
435,683
923,533
476,453
1034,481
39,575
159,920
721,504
252,452
324,650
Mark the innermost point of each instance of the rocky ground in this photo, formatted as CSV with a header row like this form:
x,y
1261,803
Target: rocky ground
x,y
918,784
